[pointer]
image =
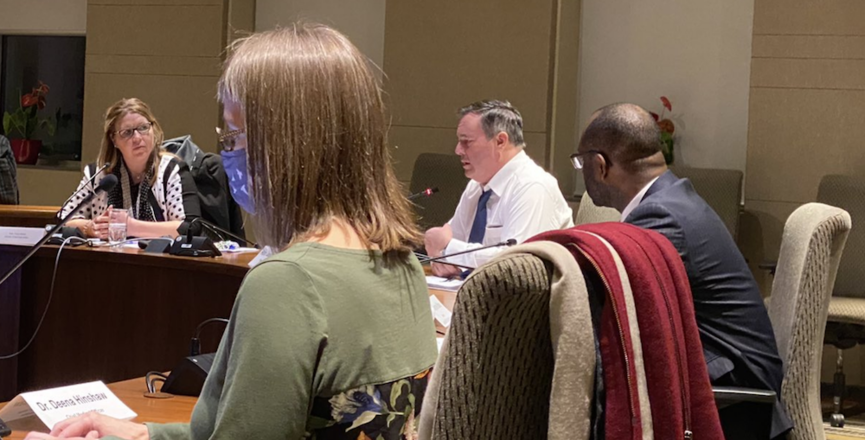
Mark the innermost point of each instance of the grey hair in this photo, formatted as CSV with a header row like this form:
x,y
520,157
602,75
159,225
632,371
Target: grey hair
x,y
496,117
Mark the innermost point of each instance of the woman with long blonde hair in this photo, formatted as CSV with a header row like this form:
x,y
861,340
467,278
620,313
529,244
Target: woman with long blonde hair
x,y
155,186
333,337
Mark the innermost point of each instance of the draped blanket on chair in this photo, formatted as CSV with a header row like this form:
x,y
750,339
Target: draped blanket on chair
x,y
655,377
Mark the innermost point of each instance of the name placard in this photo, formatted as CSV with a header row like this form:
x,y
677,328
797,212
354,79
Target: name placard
x,y
19,236
41,410
440,312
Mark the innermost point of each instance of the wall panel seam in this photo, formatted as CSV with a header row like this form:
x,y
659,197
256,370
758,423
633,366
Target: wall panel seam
x,y
809,35
150,74
796,202
806,58
810,88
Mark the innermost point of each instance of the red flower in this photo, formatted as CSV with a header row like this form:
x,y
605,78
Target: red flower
x,y
655,116
666,103
29,100
36,97
667,126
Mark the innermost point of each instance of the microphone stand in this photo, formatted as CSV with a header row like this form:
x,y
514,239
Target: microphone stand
x,y
508,242
104,186
219,231
89,182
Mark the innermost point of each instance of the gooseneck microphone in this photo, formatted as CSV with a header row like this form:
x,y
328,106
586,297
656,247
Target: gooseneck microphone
x,y
508,242
106,184
90,183
425,193
222,233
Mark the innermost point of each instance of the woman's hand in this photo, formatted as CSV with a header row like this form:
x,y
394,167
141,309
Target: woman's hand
x,y
99,228
92,426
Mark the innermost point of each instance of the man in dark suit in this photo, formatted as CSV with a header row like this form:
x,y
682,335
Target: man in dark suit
x,y
623,168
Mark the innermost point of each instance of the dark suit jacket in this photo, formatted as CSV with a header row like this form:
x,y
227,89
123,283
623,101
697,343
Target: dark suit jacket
x,y
737,336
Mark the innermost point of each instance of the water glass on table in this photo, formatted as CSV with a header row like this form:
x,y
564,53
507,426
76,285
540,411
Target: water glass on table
x,y
117,221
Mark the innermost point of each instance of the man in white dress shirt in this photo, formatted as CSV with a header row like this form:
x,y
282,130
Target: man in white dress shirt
x,y
508,196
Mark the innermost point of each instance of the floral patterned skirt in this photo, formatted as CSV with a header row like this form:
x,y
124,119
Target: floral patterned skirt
x,y
387,411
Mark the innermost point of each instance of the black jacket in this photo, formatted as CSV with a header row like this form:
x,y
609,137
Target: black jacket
x,y
737,336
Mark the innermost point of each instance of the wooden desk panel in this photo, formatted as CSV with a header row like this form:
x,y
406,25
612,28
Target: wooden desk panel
x,y
115,314
28,216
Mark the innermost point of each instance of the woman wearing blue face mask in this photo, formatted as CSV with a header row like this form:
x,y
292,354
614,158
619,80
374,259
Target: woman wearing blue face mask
x,y
233,151
333,337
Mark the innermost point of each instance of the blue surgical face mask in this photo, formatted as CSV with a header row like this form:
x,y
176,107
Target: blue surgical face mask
x,y
238,178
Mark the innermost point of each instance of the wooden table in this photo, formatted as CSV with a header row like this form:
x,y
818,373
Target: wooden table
x,y
27,215
177,409
114,315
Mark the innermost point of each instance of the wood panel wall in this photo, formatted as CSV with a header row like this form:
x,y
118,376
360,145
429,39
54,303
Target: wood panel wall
x,y
440,56
167,53
807,116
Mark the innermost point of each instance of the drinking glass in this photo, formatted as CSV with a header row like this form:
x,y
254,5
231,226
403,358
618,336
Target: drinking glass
x,y
117,226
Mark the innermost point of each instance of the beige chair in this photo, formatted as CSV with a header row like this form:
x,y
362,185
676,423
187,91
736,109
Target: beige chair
x,y
499,366
811,248
846,322
442,171
591,213
721,189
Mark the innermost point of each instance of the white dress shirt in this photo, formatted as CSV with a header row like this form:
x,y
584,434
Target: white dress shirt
x,y
526,201
637,199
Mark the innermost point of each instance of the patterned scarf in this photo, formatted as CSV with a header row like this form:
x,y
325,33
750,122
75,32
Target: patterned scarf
x,y
121,195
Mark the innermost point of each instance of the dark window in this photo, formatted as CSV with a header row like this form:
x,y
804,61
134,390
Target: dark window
x,y
58,62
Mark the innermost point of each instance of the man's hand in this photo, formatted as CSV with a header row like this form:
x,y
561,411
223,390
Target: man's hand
x,y
445,270
435,240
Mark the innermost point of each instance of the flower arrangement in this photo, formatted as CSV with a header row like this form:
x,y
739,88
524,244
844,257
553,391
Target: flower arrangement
x,y
20,125
25,119
667,129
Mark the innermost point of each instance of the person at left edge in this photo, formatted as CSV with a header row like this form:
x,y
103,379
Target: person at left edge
x,y
156,185
8,183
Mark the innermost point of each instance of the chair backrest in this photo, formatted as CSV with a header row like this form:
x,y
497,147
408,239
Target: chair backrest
x,y
211,184
498,366
848,193
591,213
811,249
721,189
445,172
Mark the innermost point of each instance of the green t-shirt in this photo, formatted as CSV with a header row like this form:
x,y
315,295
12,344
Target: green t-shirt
x,y
311,322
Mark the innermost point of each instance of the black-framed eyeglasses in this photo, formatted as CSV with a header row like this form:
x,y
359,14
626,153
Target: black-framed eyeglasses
x,y
228,139
129,132
578,160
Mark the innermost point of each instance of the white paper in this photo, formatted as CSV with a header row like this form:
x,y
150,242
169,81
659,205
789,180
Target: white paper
x,y
265,252
439,311
58,404
451,285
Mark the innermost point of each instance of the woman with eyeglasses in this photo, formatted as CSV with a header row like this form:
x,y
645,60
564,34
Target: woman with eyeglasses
x,y
154,185
332,338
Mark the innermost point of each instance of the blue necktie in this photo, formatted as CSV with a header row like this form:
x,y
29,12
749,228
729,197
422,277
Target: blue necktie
x,y
479,227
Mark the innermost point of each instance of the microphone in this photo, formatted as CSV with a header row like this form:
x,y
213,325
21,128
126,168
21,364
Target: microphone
x,y
90,181
106,184
191,245
195,343
425,193
508,242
